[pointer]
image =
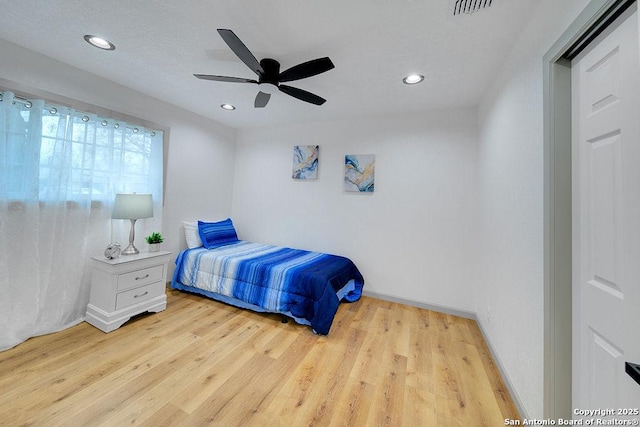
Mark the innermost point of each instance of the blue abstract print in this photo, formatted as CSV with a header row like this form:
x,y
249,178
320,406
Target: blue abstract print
x,y
305,162
359,173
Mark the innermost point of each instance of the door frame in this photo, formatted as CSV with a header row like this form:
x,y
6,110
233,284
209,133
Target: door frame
x,y
557,202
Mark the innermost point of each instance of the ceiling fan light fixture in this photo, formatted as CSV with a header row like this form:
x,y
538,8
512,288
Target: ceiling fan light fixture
x,y
269,88
413,79
227,107
99,42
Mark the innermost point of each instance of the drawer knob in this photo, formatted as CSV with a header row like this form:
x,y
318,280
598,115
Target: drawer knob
x,y
143,277
141,295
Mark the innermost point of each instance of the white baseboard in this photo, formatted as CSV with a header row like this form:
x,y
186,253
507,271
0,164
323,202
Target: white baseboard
x,y
467,315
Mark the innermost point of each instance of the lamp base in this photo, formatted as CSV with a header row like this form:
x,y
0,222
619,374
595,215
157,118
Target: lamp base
x,y
130,250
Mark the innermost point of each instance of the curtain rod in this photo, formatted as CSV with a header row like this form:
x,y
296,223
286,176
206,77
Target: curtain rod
x,y
19,99
27,103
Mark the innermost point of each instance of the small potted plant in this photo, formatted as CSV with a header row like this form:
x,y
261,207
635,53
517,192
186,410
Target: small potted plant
x,y
154,240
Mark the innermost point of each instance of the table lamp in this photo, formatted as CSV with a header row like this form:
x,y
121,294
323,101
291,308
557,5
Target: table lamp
x,y
132,207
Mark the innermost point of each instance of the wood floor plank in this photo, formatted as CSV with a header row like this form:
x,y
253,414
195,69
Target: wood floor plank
x,y
366,366
279,343
420,357
201,362
168,415
352,409
419,408
270,386
399,330
333,365
297,390
450,397
388,396
366,310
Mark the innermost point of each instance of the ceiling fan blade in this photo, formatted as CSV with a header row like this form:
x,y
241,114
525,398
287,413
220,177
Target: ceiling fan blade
x,y
302,95
306,69
241,50
261,99
224,78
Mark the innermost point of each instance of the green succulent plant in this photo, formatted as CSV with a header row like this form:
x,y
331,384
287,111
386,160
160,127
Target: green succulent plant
x,y
154,237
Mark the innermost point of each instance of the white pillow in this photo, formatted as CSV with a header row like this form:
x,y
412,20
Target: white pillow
x,y
192,235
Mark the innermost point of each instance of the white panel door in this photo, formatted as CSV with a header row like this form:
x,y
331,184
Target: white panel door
x,y
606,219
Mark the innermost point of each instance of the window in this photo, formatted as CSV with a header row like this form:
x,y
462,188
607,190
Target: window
x,y
55,152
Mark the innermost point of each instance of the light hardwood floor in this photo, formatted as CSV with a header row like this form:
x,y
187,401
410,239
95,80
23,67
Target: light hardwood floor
x,y
201,362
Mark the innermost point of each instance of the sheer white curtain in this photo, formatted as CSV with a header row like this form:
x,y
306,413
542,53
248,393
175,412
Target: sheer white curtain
x,y
59,172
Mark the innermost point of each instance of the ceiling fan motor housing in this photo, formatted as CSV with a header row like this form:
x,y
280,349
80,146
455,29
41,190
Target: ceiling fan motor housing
x,y
271,69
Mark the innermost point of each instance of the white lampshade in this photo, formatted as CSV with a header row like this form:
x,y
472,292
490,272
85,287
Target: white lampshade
x,y
132,206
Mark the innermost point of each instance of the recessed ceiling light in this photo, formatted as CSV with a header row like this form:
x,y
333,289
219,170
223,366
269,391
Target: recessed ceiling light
x,y
227,107
99,42
413,79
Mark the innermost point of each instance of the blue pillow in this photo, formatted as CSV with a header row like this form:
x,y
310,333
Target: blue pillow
x,y
216,234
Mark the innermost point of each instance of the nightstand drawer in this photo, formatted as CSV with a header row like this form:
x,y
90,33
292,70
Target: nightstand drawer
x,y
137,295
140,277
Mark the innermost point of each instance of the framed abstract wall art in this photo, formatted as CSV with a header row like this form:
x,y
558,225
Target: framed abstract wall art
x,y
305,162
359,173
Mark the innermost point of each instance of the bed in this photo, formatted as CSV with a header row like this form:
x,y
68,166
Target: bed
x,y
303,285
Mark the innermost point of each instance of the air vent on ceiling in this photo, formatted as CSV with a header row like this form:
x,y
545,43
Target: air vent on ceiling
x,y
466,7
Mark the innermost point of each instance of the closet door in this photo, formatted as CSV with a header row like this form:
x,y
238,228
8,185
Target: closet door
x,y
606,219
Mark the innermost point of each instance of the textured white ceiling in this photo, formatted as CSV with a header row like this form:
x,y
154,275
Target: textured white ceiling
x,y
160,44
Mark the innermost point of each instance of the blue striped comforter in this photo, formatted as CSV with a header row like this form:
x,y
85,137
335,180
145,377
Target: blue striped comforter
x,y
307,286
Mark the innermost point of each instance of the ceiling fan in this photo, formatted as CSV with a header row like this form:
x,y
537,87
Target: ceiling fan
x,y
269,75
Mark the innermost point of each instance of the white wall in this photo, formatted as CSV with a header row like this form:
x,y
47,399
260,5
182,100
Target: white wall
x,y
510,173
201,153
413,238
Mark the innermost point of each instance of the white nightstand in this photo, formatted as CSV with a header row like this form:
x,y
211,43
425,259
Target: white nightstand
x,y
126,286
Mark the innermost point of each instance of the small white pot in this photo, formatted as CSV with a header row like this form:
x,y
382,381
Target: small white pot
x,y
154,247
